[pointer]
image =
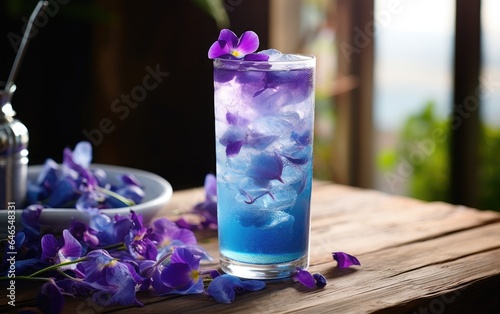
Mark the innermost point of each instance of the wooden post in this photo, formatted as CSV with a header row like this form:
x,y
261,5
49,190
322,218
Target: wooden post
x,y
353,155
466,103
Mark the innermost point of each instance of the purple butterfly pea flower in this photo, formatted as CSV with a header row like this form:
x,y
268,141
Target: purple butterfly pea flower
x,y
84,234
76,164
50,298
224,287
230,46
119,291
182,274
166,233
110,232
114,281
54,252
138,242
345,260
65,191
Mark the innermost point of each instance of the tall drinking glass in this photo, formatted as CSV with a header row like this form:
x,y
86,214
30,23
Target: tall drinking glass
x,y
264,116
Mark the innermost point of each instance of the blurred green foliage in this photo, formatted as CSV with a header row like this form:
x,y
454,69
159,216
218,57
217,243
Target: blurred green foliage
x,y
423,147
489,168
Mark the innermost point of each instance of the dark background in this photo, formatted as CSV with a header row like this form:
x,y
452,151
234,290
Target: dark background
x,y
90,53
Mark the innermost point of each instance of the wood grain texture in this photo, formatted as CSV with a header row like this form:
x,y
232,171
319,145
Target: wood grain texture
x,y
416,257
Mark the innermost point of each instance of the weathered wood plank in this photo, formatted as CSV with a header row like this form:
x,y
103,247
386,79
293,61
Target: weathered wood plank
x,y
361,291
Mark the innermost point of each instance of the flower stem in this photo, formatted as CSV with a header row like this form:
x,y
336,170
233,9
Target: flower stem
x,y
56,266
119,245
28,278
123,199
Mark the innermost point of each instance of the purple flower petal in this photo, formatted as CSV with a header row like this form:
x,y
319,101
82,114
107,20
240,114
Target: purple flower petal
x,y
182,255
224,287
229,37
256,57
248,43
320,280
71,249
260,141
50,298
266,167
29,219
47,177
132,192
303,139
130,179
218,49
297,155
210,187
82,154
233,149
50,245
345,260
305,278
177,276
224,45
231,118
64,191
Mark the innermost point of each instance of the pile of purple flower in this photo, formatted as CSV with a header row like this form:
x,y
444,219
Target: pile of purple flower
x,y
113,260
73,184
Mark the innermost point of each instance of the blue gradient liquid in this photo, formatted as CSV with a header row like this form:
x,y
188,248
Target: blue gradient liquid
x,y
264,137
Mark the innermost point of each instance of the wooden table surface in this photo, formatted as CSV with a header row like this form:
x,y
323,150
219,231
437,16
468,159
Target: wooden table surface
x,y
416,257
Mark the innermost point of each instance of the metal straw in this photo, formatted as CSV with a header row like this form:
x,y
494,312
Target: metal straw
x,y
22,46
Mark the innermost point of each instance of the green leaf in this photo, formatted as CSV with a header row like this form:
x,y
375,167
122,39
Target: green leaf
x,y
215,8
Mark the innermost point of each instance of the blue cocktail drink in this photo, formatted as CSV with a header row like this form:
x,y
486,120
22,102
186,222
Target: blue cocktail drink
x,y
264,112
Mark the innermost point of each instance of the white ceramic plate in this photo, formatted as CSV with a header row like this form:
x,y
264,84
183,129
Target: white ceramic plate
x,y
157,190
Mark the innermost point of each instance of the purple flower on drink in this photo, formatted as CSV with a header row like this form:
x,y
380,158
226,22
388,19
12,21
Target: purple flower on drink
x,y
224,287
229,46
54,252
345,260
233,139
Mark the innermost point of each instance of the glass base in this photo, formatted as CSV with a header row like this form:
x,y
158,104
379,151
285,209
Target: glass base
x,y
262,271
